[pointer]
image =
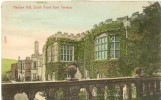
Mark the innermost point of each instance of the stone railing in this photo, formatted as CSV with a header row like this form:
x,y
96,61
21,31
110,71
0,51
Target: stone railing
x,y
122,88
149,86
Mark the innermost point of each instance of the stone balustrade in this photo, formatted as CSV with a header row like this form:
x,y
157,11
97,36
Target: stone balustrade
x,y
144,86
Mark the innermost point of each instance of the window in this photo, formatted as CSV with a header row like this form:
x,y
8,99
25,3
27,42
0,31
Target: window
x,y
35,65
101,47
34,75
23,65
114,46
54,53
67,53
49,54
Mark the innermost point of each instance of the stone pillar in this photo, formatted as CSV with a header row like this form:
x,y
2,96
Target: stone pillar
x,y
139,83
139,89
72,92
127,92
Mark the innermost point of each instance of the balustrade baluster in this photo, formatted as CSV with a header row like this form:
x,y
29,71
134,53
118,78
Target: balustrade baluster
x,y
157,92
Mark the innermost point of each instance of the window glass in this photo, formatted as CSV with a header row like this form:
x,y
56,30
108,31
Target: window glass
x,y
66,53
112,38
114,46
117,38
117,53
112,54
117,46
101,46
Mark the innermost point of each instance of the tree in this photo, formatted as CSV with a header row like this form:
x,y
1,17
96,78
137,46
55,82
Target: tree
x,y
144,40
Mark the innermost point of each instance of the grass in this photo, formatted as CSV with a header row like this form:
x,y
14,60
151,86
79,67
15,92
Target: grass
x,y
6,65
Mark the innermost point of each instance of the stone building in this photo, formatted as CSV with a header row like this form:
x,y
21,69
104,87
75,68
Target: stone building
x,y
14,70
59,54
24,69
36,69
63,49
99,52
31,69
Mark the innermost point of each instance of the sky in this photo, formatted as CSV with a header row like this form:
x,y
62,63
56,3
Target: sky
x,y
23,23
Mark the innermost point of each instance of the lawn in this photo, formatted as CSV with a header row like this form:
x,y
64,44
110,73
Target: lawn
x,y
6,65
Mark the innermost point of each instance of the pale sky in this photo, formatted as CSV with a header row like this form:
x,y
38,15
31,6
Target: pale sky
x,y
22,27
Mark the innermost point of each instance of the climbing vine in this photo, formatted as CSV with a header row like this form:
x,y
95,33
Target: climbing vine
x,y
140,49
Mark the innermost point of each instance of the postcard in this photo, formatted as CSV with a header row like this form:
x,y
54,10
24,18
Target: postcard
x,y
81,50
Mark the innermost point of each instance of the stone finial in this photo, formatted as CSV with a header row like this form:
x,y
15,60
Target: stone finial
x,y
137,71
72,69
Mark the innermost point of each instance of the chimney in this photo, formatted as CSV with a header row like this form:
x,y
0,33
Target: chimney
x,y
18,57
36,49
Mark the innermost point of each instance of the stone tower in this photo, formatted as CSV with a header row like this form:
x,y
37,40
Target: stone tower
x,y
36,49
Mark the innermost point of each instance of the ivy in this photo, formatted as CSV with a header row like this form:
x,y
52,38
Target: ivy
x,y
140,49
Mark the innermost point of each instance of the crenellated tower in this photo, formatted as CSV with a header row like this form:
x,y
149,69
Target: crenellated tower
x,y
36,49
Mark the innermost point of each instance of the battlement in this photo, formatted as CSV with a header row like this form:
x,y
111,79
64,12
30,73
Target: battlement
x,y
125,20
71,36
135,15
108,21
122,19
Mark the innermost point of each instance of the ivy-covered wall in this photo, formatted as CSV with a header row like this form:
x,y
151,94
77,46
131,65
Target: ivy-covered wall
x,y
140,49
108,67
59,68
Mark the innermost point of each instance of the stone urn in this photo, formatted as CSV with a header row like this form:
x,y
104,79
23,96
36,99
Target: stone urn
x,y
137,72
71,72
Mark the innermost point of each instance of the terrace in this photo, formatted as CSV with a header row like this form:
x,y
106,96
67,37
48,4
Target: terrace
x,y
120,88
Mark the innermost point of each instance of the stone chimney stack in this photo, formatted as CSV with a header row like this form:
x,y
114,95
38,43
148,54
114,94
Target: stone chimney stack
x,y
36,49
18,58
